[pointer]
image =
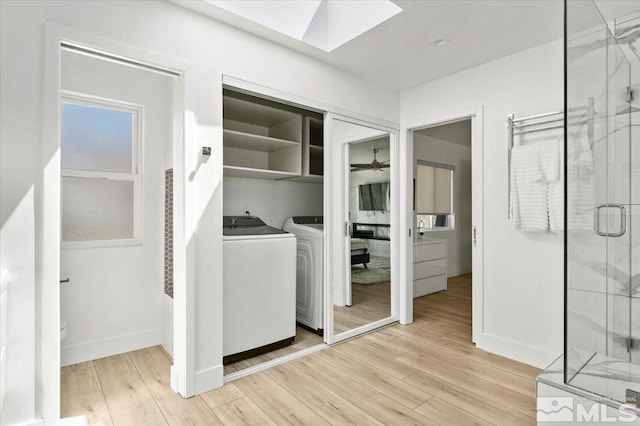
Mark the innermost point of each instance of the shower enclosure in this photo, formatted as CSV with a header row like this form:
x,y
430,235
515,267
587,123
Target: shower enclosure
x,y
602,204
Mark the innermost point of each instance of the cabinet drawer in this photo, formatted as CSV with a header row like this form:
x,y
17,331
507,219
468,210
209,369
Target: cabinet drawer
x,y
429,252
429,285
428,269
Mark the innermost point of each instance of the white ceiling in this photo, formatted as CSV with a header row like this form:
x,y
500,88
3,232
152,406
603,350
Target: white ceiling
x,y
399,53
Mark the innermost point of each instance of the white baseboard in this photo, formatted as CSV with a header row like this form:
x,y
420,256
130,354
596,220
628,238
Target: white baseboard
x,y
167,342
74,421
455,270
95,349
516,351
37,422
209,379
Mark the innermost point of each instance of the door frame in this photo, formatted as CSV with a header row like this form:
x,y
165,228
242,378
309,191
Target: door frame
x,y
336,266
48,224
477,194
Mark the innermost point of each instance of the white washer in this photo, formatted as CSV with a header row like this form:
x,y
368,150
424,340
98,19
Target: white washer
x,y
309,271
259,291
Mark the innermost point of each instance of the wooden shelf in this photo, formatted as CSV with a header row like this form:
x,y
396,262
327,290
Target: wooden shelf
x,y
316,148
246,172
235,139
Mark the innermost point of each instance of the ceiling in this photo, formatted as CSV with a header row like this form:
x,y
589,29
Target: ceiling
x,y
400,53
458,132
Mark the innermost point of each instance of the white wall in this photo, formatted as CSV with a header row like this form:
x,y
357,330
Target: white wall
x,y
17,235
523,273
459,239
273,201
113,302
214,49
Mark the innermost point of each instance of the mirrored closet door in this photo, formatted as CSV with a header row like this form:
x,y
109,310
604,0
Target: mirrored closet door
x,y
361,285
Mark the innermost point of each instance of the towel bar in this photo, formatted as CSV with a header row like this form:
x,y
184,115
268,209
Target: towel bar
x,y
513,126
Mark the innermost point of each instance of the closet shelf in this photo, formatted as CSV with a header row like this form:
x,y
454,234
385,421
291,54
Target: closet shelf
x,y
236,139
247,172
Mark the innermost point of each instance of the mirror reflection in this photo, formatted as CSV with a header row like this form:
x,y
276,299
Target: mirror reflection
x,y
367,288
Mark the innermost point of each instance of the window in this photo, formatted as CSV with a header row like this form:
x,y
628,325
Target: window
x,y
434,196
100,173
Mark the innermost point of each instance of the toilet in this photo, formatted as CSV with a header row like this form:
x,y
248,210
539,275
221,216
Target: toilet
x,y
63,330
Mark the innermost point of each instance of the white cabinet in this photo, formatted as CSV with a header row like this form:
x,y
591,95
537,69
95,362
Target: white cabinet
x,y
260,141
266,140
429,266
312,149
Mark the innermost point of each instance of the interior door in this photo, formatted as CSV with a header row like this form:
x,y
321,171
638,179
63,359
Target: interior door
x,y
361,219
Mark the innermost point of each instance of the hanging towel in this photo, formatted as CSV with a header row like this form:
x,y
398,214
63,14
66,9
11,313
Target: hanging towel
x,y
581,184
528,189
555,190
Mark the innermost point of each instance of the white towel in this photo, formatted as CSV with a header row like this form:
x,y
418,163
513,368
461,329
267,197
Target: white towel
x,y
581,197
528,190
548,164
555,193
581,186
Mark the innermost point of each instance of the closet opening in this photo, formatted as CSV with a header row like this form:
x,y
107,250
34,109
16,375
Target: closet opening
x,y
273,230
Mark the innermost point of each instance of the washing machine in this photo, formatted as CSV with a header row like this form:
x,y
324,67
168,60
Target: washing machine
x,y
259,290
309,233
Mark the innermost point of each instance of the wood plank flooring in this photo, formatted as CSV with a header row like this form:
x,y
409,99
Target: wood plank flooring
x,y
369,303
425,373
304,339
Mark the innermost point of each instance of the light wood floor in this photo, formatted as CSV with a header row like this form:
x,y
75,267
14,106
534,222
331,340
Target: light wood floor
x,y
304,339
425,373
369,303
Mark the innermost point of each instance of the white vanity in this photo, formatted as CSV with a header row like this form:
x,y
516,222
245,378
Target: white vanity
x,y
429,266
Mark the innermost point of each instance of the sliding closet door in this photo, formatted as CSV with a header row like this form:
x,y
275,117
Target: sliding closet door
x,y
361,227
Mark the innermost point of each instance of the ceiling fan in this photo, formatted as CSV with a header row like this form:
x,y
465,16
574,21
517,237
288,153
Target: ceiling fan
x,y
374,165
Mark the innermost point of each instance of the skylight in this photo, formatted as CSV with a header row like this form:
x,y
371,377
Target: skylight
x,y
325,24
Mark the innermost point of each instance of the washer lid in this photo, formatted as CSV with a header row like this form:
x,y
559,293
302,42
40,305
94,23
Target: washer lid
x,y
308,220
247,225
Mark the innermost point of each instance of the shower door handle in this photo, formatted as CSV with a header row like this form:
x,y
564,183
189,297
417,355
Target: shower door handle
x,y
623,220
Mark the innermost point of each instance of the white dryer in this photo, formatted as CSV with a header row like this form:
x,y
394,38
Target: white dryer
x,y
259,290
309,233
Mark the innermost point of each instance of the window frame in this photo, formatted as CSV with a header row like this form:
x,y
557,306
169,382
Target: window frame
x,y
135,176
450,216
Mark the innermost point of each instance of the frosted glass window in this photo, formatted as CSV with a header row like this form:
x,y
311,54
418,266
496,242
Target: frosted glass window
x,y
97,138
97,209
434,189
100,174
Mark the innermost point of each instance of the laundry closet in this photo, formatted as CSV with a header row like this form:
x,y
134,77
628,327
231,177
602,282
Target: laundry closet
x,y
272,188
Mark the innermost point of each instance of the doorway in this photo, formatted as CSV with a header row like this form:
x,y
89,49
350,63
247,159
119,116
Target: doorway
x,y
445,164
71,96
115,151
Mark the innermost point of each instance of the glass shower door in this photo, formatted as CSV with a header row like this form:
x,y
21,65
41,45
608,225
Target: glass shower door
x,y
601,312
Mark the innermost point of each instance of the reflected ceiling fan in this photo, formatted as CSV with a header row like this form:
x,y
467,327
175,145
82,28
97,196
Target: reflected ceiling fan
x,y
374,165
